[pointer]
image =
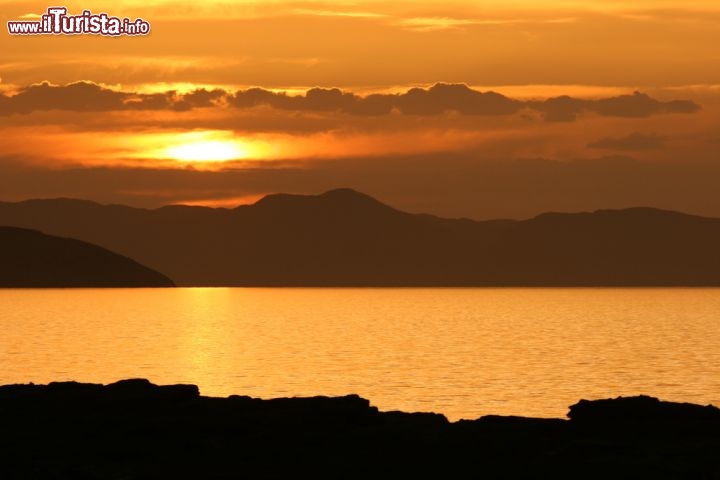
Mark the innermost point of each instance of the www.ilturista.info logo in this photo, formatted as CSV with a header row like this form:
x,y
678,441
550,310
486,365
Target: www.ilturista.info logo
x,y
57,22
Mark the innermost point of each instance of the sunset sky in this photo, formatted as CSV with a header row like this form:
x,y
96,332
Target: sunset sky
x,y
480,109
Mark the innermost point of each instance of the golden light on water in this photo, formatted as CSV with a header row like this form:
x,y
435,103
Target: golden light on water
x,y
507,351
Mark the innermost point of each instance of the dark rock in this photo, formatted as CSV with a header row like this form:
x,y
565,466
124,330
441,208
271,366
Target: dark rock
x,y
133,429
141,388
643,413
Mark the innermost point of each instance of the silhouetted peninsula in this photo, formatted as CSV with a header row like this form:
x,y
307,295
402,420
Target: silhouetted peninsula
x,y
32,259
345,238
133,429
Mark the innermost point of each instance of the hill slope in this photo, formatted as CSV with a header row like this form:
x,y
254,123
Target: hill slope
x,y
32,259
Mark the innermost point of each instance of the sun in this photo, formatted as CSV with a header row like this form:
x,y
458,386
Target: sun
x,y
207,151
207,147
203,149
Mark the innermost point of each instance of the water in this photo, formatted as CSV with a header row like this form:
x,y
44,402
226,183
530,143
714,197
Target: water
x,y
461,352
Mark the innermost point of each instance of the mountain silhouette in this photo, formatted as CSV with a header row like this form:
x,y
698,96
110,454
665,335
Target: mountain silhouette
x,y
32,259
346,238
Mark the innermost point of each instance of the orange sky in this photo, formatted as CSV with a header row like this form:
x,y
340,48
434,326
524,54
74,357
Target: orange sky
x,y
380,44
122,119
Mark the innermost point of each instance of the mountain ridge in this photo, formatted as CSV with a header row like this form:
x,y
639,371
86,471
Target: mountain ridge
x,y
331,193
346,238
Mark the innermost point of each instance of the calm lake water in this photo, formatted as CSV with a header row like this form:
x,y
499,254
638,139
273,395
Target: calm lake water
x,y
461,352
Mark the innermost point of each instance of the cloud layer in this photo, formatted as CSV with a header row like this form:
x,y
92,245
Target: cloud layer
x,y
438,99
634,141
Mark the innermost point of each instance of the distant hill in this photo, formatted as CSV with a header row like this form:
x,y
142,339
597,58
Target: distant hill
x,y
32,259
345,238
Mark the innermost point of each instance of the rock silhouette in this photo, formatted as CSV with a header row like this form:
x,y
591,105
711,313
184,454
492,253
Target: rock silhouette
x,y
31,259
345,238
133,429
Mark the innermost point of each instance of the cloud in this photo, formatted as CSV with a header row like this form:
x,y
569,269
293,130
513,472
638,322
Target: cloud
x,y
634,141
438,99
443,97
336,13
79,97
200,98
567,109
639,105
433,24
90,97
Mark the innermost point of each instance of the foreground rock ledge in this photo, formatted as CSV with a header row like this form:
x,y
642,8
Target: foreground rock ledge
x,y
133,429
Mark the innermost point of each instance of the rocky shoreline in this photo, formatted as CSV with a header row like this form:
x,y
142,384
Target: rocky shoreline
x,y
133,429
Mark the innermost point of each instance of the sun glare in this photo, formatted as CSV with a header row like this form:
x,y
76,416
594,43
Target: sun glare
x,y
207,147
207,151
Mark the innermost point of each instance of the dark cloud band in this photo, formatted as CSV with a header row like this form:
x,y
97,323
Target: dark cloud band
x,y
436,100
